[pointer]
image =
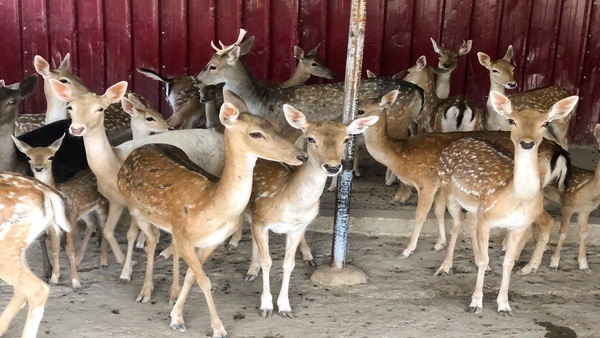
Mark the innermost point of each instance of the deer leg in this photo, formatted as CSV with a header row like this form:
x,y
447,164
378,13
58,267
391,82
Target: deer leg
x,y
108,232
482,259
166,253
46,265
390,177
402,193
333,184
16,303
235,239
562,235
455,211
355,167
261,236
89,229
195,270
254,268
289,262
70,248
140,243
582,218
439,208
55,248
425,200
545,223
512,248
132,234
146,293
307,256
175,287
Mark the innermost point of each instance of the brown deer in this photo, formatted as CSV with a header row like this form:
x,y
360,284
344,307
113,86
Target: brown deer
x,y
81,198
155,177
447,62
322,102
542,99
500,190
286,201
581,196
29,207
414,161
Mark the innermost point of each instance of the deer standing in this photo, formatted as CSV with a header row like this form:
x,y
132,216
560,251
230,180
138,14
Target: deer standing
x,y
29,207
582,196
154,178
81,199
414,161
542,99
500,190
286,201
447,62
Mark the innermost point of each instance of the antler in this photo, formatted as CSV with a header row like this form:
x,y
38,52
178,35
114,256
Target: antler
x,y
225,49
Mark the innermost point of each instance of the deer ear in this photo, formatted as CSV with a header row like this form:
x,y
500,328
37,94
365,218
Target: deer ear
x,y
233,55
501,103
484,59
370,74
388,99
22,146
2,83
466,47
359,125
295,117
128,106
509,53
246,46
61,90
115,92
56,144
298,53
421,62
436,48
28,85
234,99
313,52
563,108
66,62
41,66
228,114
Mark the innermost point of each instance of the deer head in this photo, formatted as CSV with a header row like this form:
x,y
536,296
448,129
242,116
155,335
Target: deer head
x,y
311,63
448,58
39,158
144,120
12,95
501,71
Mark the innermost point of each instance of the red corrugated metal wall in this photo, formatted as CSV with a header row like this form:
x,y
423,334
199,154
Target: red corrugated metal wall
x,y
556,42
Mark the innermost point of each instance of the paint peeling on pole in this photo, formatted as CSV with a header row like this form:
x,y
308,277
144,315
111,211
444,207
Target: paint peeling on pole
x,y
356,38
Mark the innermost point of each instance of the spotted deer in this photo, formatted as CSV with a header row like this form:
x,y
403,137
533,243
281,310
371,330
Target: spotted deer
x,y
414,161
500,190
322,102
155,177
29,207
286,201
542,99
581,197
448,60
81,200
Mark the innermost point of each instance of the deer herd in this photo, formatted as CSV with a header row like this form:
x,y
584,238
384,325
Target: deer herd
x,y
263,157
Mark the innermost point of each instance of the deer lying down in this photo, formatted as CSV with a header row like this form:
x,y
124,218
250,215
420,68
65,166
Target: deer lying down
x,y
29,208
211,209
582,196
414,161
81,200
501,190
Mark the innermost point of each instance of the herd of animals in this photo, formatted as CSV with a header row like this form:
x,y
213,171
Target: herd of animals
x,y
263,158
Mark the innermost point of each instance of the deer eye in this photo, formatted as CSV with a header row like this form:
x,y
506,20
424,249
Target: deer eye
x,y
360,112
64,81
69,108
311,140
12,102
100,109
495,71
255,135
50,158
511,122
546,124
314,64
150,119
346,140
28,158
211,67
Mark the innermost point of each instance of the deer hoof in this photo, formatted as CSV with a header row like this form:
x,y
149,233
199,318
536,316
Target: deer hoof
x,y
124,280
143,299
139,249
178,327
250,278
231,247
442,272
266,313
286,314
475,309
160,258
310,262
505,313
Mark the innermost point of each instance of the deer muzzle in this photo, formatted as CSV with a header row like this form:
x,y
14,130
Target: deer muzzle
x,y
76,131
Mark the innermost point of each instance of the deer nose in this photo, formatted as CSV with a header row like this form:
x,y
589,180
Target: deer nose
x,y
76,131
526,145
511,84
332,170
38,169
447,65
302,158
170,128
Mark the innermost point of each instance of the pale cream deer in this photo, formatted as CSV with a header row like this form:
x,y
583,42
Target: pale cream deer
x,y
414,161
447,62
29,207
542,99
501,190
286,201
81,199
582,196
155,178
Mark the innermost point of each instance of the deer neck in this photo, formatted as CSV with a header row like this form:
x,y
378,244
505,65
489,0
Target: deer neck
x,y
8,155
56,109
442,85
100,155
45,177
299,77
306,184
378,141
526,179
233,190
247,87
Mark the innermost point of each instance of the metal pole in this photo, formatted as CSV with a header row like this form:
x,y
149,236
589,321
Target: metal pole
x,y
356,38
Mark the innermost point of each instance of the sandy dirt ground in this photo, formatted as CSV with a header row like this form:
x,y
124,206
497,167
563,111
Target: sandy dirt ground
x,y
401,298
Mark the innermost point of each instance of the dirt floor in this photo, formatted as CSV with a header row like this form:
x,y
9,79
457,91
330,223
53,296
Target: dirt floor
x,y
401,299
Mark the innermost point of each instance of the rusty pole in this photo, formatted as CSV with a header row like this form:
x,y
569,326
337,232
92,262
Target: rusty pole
x,y
356,38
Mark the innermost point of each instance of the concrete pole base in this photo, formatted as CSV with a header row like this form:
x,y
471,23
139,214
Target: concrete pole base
x,y
327,275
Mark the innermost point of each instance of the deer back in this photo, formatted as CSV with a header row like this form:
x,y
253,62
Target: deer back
x,y
458,113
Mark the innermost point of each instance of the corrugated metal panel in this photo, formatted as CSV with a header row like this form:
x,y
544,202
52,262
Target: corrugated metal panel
x,y
556,42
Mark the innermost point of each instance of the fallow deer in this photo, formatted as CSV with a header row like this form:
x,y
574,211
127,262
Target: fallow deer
x,y
81,199
542,99
324,101
155,177
447,62
286,201
581,196
145,121
501,190
414,161
29,207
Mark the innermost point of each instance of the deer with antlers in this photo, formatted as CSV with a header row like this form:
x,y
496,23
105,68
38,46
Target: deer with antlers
x,y
448,60
29,207
581,197
500,190
154,177
542,99
81,199
414,161
286,201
